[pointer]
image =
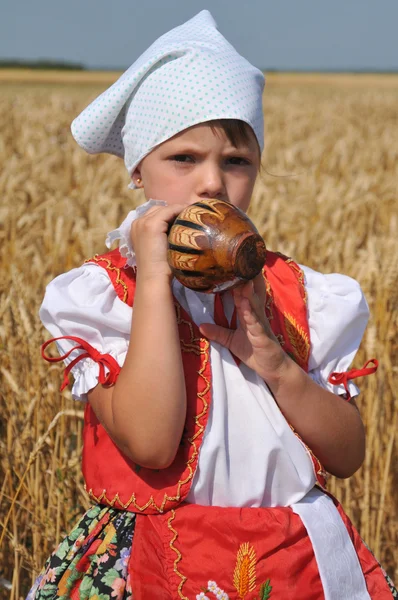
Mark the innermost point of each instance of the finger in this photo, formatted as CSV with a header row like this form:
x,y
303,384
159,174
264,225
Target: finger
x,y
242,291
259,287
249,319
258,301
174,209
166,212
156,220
247,292
218,334
254,324
255,287
247,289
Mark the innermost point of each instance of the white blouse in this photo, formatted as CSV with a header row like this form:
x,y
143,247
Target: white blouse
x,y
249,455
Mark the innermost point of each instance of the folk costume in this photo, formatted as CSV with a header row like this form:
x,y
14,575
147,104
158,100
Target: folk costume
x,y
243,510
242,513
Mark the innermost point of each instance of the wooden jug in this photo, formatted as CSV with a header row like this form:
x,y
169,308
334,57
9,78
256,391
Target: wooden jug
x,y
213,247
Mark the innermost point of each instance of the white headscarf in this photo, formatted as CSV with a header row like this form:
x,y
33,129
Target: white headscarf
x,y
188,76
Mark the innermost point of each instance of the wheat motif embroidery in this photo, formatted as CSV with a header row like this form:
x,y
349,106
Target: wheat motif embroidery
x,y
244,578
297,337
245,570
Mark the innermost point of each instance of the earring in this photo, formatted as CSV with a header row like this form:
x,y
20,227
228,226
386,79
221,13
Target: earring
x,y
138,181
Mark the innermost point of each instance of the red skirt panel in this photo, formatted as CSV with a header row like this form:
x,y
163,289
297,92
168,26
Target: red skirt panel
x,y
243,551
247,553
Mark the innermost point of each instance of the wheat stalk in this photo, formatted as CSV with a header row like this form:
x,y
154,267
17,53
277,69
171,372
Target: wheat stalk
x,y
326,196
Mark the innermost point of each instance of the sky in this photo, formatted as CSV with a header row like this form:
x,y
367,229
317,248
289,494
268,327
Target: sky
x,y
277,34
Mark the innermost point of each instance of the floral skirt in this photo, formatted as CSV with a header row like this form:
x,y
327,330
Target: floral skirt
x,y
92,562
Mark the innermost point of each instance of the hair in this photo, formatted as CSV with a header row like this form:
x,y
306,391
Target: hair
x,y
238,132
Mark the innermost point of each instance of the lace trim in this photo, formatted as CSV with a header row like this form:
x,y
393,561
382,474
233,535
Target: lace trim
x,y
122,233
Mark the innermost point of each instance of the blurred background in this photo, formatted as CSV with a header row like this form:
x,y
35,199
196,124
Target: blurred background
x,y
327,196
357,35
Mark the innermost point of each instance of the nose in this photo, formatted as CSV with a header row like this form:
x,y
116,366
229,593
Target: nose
x,y
211,182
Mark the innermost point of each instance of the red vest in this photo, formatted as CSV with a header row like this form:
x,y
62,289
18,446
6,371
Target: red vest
x,y
111,478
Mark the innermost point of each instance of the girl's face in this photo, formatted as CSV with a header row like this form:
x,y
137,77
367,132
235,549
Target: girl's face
x,y
200,162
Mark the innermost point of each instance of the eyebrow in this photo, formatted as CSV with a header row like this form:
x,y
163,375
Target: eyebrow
x,y
195,149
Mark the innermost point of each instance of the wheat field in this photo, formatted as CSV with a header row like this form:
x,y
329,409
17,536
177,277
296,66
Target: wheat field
x,y
327,196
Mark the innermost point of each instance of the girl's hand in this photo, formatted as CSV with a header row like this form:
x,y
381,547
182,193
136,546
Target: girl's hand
x,y
149,239
331,427
253,341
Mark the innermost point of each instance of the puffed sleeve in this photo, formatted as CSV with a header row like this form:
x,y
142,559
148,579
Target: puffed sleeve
x,y
83,303
338,314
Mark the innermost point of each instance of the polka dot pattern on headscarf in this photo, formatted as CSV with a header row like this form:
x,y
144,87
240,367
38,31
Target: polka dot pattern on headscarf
x,y
188,76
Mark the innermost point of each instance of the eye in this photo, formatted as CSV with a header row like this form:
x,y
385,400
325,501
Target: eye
x,y
182,158
238,161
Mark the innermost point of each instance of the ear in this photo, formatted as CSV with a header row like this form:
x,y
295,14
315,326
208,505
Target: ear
x,y
136,178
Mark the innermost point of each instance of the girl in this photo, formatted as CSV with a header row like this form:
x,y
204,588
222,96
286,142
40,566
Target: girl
x,y
210,419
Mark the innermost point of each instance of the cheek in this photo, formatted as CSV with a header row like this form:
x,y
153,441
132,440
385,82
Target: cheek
x,y
165,185
241,192
243,203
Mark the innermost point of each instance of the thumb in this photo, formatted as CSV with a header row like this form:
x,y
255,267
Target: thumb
x,y
218,334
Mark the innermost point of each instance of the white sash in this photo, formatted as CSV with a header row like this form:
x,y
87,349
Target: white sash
x,y
338,564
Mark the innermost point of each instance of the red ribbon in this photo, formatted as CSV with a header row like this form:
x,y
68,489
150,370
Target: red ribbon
x,y
103,360
343,378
